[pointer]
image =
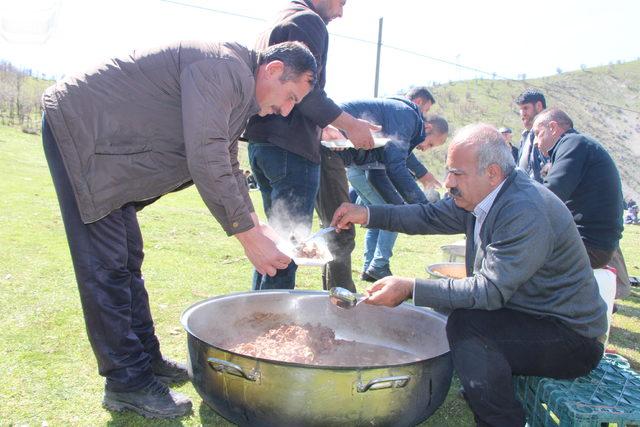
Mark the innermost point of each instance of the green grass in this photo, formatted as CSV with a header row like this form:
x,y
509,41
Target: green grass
x,y
49,371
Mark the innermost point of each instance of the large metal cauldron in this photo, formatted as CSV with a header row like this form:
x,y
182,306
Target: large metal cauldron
x,y
254,391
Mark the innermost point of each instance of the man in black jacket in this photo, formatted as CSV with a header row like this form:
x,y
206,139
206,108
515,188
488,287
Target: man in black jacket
x,y
584,176
285,154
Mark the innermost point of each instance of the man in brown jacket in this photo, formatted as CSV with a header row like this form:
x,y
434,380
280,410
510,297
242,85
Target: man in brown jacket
x,y
119,137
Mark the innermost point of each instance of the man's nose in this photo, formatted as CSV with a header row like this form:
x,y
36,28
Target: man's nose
x,y
449,181
286,108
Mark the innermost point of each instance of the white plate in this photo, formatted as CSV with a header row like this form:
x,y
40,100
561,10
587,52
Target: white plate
x,y
288,249
345,143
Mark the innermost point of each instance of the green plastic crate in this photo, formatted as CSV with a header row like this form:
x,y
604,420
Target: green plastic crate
x,y
608,396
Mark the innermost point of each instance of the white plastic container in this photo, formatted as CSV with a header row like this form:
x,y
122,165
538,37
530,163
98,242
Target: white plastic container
x,y
607,285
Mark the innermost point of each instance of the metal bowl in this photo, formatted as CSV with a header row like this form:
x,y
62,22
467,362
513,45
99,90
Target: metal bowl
x,y
256,391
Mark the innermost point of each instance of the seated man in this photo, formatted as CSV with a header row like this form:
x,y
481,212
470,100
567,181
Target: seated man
x,y
584,176
530,305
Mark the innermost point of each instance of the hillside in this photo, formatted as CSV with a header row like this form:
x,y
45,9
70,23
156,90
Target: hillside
x,y
603,102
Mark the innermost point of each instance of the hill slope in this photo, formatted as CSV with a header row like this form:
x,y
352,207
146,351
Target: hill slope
x,y
603,102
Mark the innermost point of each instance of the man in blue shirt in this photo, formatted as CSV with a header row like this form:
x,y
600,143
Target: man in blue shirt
x,y
386,174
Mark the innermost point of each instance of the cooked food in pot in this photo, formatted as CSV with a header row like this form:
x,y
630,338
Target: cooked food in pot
x,y
316,345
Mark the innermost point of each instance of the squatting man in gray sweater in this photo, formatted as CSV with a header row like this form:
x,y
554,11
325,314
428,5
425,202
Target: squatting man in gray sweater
x,y
119,137
530,304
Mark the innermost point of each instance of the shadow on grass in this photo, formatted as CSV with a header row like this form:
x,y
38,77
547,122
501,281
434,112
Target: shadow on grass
x,y
627,310
128,418
209,417
624,338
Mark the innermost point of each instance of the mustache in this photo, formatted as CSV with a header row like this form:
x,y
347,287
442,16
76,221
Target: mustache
x,y
455,192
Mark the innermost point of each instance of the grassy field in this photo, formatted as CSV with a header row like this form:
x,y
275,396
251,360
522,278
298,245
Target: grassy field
x,y
49,372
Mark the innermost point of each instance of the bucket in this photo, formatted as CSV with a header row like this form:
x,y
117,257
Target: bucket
x,y
606,279
447,270
454,252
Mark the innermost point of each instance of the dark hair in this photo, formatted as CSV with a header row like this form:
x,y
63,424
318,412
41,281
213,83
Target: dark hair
x,y
555,115
296,57
531,96
421,92
439,123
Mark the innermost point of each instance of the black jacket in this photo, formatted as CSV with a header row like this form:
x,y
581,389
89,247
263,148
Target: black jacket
x,y
300,131
586,179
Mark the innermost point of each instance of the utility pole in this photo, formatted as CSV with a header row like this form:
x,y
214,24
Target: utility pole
x,y
375,88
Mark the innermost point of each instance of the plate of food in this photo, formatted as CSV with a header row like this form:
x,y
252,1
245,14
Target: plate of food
x,y
313,252
345,143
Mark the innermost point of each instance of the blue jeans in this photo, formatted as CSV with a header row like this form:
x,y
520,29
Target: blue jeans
x,y
288,184
378,244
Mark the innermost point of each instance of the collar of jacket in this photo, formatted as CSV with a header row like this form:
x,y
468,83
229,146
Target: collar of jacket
x,y
309,4
507,183
470,247
420,133
553,149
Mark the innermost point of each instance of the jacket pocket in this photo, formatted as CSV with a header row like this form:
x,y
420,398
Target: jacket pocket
x,y
122,146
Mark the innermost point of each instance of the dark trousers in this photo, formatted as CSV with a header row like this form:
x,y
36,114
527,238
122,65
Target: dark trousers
x,y
334,190
489,347
107,258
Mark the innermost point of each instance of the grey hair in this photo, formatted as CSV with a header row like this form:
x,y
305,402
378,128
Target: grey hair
x,y
491,148
555,115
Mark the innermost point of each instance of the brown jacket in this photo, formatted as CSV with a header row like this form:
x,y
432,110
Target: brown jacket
x,y
147,124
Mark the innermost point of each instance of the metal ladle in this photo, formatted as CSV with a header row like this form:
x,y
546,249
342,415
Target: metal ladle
x,y
344,298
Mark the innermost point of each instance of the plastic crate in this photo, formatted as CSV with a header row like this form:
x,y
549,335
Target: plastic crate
x,y
608,396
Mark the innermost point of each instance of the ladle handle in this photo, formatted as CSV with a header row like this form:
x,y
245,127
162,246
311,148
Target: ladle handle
x,y
223,366
398,381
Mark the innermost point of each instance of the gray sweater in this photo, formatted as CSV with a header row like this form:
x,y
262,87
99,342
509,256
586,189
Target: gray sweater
x,y
530,256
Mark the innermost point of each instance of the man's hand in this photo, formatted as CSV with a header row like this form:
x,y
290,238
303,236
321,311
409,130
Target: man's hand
x,y
390,291
358,131
429,181
331,133
348,214
259,246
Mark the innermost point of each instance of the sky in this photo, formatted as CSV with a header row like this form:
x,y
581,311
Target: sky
x,y
422,39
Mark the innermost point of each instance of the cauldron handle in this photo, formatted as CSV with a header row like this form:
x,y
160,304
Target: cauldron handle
x,y
385,382
220,365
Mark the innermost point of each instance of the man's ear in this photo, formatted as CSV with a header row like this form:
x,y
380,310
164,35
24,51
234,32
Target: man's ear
x,y
274,69
495,173
428,127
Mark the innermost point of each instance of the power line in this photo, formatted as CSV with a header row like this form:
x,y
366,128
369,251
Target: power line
x,y
223,12
411,52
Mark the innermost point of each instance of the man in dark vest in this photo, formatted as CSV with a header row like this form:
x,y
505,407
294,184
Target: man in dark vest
x,y
285,153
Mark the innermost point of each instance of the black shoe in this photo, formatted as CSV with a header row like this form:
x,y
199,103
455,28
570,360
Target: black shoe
x,y
169,371
378,273
153,401
364,276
